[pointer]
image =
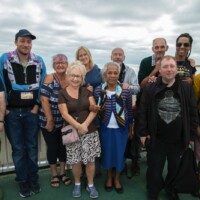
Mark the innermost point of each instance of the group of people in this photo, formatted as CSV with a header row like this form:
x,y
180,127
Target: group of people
x,y
98,103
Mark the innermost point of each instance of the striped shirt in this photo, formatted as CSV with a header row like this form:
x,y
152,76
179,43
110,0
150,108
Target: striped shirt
x,y
110,106
51,91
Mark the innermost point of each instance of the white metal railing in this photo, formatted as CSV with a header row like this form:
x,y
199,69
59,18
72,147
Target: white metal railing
x,y
6,162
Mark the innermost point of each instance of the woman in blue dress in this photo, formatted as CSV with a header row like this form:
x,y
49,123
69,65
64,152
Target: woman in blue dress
x,y
114,104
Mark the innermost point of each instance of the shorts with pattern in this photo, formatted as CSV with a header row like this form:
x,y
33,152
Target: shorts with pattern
x,y
85,150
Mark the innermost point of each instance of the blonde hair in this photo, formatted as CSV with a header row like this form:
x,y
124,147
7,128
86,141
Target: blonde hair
x,y
77,65
168,57
91,63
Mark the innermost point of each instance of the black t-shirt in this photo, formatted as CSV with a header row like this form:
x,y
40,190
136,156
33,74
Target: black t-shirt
x,y
169,121
185,69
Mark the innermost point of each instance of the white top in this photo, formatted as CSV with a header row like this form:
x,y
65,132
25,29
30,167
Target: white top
x,y
113,122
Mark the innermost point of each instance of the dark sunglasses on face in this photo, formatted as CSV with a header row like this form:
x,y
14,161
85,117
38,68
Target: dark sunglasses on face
x,y
179,44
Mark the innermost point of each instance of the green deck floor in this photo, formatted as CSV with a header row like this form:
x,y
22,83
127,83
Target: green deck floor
x,y
134,189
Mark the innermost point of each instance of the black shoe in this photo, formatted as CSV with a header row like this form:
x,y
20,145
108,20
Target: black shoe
x,y
119,190
35,187
24,189
108,188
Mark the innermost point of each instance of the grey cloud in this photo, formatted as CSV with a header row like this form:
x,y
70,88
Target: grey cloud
x,y
53,22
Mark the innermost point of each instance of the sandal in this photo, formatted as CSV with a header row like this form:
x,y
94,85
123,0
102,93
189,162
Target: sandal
x,y
66,180
55,183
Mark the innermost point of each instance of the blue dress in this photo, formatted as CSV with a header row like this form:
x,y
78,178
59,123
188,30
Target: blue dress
x,y
114,140
113,145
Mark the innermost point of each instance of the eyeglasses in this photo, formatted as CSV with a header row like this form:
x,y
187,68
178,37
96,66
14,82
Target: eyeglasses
x,y
60,63
75,76
179,44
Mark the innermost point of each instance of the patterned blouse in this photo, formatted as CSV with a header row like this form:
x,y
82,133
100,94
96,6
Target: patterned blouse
x,y
110,106
51,91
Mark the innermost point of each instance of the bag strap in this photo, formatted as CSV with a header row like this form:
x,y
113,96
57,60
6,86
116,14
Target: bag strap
x,y
78,103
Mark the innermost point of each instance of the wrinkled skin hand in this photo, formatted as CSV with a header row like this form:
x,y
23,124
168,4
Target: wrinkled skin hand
x,y
50,125
82,129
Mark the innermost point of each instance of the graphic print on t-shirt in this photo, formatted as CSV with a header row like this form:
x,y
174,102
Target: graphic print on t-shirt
x,y
169,107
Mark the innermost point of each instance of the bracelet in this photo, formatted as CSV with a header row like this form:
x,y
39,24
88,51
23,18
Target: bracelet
x,y
2,121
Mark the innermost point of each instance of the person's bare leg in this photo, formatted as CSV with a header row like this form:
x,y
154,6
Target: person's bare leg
x,y
54,176
65,179
116,180
109,181
77,172
90,170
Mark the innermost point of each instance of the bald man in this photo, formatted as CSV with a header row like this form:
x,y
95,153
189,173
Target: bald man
x,y
127,74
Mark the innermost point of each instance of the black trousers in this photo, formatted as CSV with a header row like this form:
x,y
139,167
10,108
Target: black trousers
x,y
157,155
55,148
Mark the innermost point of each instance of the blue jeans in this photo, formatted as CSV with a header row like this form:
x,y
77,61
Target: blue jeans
x,y
21,127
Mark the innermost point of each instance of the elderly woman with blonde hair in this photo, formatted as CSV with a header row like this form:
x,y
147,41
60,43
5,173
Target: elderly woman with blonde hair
x,y
88,147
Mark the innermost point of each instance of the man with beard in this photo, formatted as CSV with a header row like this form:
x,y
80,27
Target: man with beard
x,y
22,73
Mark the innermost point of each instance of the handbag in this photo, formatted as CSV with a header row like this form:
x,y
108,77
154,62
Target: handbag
x,y
69,133
186,179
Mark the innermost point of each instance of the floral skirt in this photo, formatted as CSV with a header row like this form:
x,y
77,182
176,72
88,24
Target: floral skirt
x,y
85,150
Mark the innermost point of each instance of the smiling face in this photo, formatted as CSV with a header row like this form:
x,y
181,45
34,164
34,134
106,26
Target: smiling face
x,y
159,48
183,47
83,57
118,55
24,45
75,77
168,69
111,75
60,64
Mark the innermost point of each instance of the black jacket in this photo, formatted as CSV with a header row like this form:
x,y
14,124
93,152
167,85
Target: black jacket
x,y
148,110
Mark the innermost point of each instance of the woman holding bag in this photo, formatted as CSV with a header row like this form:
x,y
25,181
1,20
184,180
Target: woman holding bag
x,y
88,147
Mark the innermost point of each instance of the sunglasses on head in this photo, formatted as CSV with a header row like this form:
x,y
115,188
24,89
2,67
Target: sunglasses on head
x,y
179,44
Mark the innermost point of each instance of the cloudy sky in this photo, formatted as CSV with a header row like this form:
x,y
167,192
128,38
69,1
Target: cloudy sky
x,y
61,26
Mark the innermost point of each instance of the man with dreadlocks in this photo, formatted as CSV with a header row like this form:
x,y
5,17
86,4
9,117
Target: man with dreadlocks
x,y
186,66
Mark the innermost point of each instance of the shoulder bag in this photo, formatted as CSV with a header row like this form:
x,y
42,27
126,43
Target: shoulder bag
x,y
69,133
186,180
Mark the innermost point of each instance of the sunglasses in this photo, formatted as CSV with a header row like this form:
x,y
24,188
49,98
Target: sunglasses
x,y
179,44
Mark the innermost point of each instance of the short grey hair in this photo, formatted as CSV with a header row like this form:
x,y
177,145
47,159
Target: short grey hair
x,y
105,68
77,65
